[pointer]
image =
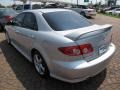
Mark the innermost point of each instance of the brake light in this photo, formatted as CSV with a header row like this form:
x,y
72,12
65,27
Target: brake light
x,y
8,18
86,48
77,50
71,50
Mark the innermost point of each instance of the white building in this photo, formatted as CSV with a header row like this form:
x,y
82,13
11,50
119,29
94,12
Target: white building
x,y
74,1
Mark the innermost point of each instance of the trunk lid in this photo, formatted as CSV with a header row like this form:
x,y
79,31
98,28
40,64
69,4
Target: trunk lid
x,y
98,36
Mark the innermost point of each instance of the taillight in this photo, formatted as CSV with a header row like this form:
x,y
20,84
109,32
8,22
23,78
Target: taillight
x,y
86,48
77,50
8,18
71,50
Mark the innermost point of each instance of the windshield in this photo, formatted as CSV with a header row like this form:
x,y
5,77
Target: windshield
x,y
65,20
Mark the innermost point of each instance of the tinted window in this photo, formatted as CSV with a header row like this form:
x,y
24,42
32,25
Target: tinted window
x,y
79,6
7,12
30,21
36,6
117,9
10,12
20,7
65,20
1,12
18,20
27,6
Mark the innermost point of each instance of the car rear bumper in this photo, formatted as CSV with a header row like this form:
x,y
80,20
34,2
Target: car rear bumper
x,y
80,70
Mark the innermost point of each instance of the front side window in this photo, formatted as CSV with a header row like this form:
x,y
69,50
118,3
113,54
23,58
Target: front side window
x,y
2,12
30,22
65,20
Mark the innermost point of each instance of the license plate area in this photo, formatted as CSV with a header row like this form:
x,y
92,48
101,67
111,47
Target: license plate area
x,y
102,49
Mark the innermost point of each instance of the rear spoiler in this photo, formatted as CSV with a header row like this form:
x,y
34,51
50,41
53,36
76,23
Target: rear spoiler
x,y
80,32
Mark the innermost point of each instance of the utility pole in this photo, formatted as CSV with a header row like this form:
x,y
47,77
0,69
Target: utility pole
x,y
96,1
77,2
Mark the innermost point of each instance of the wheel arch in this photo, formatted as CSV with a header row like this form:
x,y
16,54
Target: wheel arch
x,y
43,56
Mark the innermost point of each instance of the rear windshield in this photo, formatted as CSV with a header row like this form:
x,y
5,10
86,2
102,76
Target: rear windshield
x,y
65,20
7,11
1,12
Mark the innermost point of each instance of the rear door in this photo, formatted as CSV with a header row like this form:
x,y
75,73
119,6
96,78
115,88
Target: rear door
x,y
13,30
27,33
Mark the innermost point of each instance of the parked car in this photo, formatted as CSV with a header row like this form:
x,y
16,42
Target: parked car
x,y
30,6
61,43
117,12
104,9
112,12
53,5
84,10
6,14
111,8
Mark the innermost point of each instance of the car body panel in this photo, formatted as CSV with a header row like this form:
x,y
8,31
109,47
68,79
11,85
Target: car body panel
x,y
48,41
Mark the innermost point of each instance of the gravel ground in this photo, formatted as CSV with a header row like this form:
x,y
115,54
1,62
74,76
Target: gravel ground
x,y
16,73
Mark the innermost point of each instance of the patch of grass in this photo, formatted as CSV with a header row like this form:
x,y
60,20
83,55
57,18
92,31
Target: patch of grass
x,y
115,16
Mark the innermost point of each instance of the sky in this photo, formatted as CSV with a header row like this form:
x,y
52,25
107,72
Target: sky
x,y
10,2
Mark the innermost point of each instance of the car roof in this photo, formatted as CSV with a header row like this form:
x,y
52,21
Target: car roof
x,y
46,10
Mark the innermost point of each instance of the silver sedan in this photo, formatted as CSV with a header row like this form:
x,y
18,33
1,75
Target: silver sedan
x,y
61,43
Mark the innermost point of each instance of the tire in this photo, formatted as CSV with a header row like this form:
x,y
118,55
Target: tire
x,y
7,38
83,14
40,65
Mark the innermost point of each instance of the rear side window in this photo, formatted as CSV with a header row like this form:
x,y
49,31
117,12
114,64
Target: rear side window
x,y
117,9
18,20
30,21
36,6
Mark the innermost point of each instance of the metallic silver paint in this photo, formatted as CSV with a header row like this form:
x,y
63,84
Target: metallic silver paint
x,y
47,42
